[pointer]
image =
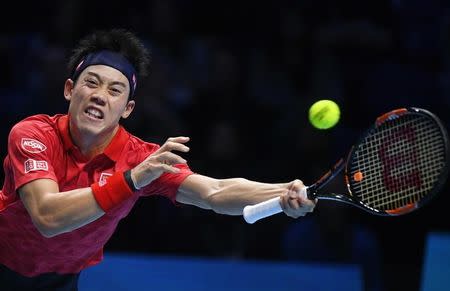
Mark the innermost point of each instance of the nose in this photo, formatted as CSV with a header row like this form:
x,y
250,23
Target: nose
x,y
98,99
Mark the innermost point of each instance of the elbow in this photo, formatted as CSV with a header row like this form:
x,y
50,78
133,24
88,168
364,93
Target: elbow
x,y
46,226
223,199
48,233
214,199
220,204
43,211
213,203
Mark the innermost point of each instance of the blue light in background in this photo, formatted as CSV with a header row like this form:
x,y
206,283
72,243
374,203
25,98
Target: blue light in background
x,y
138,272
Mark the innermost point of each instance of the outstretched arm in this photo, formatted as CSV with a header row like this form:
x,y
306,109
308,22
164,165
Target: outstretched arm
x,y
230,196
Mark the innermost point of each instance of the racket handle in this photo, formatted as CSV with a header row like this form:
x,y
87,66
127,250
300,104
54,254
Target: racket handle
x,y
253,213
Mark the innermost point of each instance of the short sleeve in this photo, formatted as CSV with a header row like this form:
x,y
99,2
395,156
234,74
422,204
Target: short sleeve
x,y
167,185
29,151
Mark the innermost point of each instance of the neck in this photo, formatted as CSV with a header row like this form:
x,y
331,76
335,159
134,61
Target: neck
x,y
91,145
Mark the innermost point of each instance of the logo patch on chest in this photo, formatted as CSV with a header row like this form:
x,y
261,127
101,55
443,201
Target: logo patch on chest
x,y
33,165
32,146
103,178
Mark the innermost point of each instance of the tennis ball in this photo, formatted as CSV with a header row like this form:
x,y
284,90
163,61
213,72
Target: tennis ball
x,y
324,114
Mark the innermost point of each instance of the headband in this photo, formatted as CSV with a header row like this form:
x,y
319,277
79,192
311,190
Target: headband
x,y
111,59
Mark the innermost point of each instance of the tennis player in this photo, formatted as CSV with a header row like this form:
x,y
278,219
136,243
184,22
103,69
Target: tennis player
x,y
70,178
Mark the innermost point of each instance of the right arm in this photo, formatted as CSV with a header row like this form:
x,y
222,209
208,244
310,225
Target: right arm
x,y
54,212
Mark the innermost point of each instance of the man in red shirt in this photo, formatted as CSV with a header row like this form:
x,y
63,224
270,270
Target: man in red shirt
x,y
70,178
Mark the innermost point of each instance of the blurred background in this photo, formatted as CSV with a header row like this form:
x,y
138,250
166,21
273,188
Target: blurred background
x,y
238,78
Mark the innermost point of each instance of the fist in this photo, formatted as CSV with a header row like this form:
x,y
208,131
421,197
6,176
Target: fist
x,y
295,203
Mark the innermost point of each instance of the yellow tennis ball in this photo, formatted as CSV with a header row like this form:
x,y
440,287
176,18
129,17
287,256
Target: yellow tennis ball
x,y
324,114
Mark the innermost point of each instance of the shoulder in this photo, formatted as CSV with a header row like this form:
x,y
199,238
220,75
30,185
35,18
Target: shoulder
x,y
37,126
137,144
39,122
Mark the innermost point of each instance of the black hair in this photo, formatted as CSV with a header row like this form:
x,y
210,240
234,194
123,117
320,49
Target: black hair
x,y
117,40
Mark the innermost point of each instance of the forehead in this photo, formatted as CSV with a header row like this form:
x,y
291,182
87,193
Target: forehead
x,y
105,73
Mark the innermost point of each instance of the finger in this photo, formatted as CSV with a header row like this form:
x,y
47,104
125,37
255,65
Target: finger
x,y
170,169
299,205
170,158
293,200
173,146
307,204
296,185
287,208
283,202
179,139
299,189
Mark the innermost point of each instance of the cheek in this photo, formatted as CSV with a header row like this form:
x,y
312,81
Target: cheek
x,y
118,109
76,95
75,102
83,91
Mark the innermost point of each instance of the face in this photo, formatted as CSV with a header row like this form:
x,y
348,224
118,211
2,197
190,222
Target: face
x,y
98,100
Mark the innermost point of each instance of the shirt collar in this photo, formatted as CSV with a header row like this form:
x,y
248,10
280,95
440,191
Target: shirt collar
x,y
112,151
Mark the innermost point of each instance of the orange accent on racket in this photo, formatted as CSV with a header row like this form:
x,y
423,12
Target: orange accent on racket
x,y
401,210
358,176
395,112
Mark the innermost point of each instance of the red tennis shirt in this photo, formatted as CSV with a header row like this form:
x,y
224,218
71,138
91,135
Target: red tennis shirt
x,y
40,147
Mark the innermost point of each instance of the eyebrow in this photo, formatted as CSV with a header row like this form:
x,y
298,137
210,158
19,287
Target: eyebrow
x,y
112,83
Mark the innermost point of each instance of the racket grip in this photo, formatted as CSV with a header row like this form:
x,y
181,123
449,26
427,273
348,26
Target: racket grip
x,y
253,213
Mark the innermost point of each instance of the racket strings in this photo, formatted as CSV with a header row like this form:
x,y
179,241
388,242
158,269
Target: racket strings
x,y
406,192
400,160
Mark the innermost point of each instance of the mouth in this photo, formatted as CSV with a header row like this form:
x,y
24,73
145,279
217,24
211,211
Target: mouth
x,y
94,113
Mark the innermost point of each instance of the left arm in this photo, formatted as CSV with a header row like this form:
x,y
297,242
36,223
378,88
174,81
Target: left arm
x,y
230,196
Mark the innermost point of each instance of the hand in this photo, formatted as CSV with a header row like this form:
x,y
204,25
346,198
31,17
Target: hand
x,y
160,161
295,203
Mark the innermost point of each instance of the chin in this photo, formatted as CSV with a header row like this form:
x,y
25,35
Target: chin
x,y
88,127
90,130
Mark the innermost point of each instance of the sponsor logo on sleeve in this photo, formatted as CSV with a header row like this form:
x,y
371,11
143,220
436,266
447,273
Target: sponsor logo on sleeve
x,y
33,165
103,178
32,146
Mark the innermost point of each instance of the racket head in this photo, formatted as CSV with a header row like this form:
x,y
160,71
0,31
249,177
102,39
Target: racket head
x,y
399,164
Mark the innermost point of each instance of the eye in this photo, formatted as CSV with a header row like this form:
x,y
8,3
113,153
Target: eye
x,y
91,82
115,91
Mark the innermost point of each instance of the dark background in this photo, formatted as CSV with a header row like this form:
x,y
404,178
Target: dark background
x,y
238,78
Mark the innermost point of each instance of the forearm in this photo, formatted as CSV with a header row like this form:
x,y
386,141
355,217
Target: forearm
x,y
232,195
226,196
55,212
66,211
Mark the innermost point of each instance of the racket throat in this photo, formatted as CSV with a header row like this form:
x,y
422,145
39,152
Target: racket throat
x,y
312,191
334,197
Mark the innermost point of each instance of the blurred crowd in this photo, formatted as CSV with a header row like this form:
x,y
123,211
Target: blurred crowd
x,y
238,78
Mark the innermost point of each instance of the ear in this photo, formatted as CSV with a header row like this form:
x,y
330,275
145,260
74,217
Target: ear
x,y
68,87
128,109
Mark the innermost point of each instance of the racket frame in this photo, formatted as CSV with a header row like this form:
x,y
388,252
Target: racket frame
x,y
313,190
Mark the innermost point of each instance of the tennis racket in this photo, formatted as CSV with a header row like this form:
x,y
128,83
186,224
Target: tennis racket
x,y
397,166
